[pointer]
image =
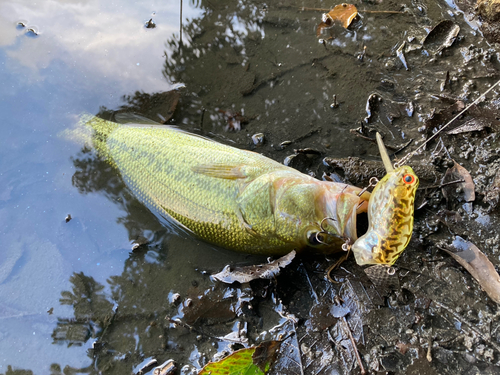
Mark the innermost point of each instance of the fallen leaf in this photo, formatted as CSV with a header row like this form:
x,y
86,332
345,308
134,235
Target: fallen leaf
x,y
240,362
492,194
402,347
265,354
249,273
457,172
473,125
249,361
344,13
441,36
478,265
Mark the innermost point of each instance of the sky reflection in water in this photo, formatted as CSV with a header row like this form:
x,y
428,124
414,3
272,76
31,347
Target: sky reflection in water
x,y
87,54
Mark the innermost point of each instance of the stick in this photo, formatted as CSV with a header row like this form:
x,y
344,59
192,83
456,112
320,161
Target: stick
x,y
353,343
364,11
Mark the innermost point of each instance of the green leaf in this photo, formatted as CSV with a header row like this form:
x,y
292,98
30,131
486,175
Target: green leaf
x,y
249,361
238,363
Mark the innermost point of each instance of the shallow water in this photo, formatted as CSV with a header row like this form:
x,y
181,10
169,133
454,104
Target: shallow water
x,y
62,283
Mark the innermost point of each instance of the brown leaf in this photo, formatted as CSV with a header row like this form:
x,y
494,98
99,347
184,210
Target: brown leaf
x,y
265,354
249,273
478,265
344,13
457,172
441,36
474,125
402,347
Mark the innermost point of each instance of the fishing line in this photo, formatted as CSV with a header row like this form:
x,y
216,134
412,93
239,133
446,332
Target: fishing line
x,y
407,157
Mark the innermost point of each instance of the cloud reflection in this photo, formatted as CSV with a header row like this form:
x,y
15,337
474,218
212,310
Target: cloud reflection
x,y
110,44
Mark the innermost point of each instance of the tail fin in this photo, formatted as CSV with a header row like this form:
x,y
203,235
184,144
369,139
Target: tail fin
x,y
101,129
91,131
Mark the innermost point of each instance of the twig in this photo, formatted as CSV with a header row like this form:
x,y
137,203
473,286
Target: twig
x,y
180,30
441,185
483,95
383,11
364,11
402,147
192,329
355,347
392,148
429,346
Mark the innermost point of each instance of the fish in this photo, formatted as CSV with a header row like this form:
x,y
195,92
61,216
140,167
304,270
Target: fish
x,y
244,201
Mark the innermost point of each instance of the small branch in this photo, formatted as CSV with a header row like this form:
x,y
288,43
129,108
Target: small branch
x,y
355,347
364,11
441,185
383,11
471,326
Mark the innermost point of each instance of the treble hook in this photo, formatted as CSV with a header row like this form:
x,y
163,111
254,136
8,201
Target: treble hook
x,y
373,181
322,221
323,230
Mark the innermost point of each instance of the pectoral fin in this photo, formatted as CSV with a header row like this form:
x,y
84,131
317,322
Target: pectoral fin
x,y
226,171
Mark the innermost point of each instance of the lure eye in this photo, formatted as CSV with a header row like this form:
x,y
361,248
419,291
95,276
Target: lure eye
x,y
408,179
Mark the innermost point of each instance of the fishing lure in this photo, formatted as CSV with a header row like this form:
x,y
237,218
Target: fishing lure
x,y
390,215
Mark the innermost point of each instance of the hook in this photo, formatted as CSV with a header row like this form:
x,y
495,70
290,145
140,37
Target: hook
x,y
371,183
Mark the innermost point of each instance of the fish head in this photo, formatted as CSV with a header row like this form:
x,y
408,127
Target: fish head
x,y
390,217
333,218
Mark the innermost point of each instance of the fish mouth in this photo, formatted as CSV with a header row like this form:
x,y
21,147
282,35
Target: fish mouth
x,y
361,224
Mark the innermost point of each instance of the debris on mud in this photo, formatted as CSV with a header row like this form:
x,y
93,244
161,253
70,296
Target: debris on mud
x,y
463,189
441,36
359,171
262,271
343,13
429,308
478,265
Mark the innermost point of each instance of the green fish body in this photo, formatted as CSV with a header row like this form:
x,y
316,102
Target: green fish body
x,y
232,198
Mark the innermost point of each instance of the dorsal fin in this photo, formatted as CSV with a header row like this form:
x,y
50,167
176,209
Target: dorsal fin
x,y
133,118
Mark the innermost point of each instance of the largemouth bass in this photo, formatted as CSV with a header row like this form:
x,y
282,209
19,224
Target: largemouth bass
x,y
239,199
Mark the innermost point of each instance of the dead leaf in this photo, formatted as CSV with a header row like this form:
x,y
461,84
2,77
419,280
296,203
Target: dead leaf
x,y
457,172
265,354
474,125
249,273
402,347
492,194
344,13
441,116
478,265
441,36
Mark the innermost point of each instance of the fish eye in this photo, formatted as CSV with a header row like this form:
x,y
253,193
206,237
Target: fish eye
x,y
313,238
408,179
